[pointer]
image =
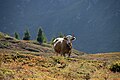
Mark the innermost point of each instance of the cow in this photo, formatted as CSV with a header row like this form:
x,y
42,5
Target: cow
x,y
63,45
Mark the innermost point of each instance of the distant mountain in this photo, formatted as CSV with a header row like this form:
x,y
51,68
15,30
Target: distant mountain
x,y
95,23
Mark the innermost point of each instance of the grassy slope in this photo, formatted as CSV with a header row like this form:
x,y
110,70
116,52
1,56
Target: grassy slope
x,y
26,60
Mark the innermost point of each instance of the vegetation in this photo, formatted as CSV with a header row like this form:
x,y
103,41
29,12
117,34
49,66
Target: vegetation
x,y
41,38
1,35
16,35
44,38
60,35
26,35
27,60
21,65
53,38
115,67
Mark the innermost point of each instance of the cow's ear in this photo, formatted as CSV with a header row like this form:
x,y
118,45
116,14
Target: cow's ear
x,y
65,38
73,38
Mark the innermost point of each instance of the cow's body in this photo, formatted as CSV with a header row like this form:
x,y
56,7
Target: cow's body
x,y
63,46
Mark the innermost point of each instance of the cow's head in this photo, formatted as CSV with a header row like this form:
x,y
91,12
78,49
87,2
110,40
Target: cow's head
x,y
69,39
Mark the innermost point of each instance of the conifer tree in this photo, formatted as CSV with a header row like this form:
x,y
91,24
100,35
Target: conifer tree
x,y
26,35
16,35
41,38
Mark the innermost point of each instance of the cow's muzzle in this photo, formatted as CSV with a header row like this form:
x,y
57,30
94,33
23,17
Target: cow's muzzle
x,y
69,45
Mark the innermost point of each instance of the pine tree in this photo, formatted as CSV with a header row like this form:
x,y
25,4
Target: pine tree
x,y
26,35
41,38
16,35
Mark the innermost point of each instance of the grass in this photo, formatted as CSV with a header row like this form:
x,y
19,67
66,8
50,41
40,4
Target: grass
x,y
18,63
1,35
18,66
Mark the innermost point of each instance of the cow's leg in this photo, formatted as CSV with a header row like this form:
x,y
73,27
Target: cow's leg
x,y
56,54
61,54
64,54
62,51
69,54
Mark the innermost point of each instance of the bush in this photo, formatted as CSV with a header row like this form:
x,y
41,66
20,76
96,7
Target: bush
x,y
115,67
51,42
6,74
61,35
1,35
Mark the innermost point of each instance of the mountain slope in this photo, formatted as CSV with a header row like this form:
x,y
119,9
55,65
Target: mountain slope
x,y
28,60
30,46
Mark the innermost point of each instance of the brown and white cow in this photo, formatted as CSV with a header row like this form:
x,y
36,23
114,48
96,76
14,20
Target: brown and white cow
x,y
63,45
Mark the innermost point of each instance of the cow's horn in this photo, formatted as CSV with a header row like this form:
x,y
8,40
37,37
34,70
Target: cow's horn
x,y
73,34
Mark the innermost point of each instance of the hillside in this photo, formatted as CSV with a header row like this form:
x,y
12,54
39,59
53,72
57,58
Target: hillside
x,y
31,46
27,60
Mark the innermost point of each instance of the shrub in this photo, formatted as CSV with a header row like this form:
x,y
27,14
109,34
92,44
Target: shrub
x,y
6,74
60,35
51,42
115,67
1,35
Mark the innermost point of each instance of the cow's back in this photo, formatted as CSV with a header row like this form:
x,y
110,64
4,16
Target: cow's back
x,y
57,44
